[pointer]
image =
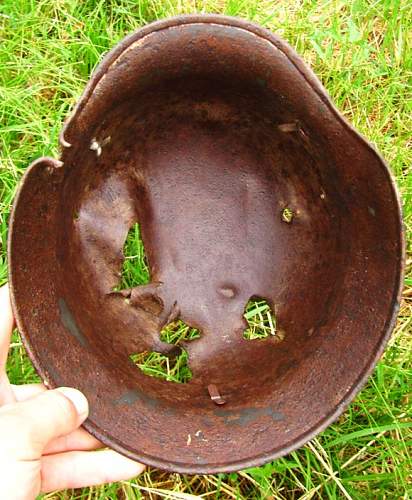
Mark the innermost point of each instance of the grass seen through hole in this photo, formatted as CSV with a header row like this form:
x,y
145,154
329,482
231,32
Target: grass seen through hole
x,y
287,215
178,331
171,368
261,321
135,269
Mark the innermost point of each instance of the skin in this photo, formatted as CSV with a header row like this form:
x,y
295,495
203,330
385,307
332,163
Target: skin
x,y
42,446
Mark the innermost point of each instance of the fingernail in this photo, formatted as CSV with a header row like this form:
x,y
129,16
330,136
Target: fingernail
x,y
77,398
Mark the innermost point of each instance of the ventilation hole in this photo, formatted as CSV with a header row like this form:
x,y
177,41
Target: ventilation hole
x,y
287,215
261,321
172,369
178,331
76,215
135,270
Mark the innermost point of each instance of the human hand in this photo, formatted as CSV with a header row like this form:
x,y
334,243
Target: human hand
x,y
42,447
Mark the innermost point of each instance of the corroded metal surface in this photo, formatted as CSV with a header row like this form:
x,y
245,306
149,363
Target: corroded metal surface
x,y
213,135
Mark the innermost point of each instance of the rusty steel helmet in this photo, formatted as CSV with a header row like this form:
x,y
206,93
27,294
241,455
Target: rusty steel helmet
x,y
214,136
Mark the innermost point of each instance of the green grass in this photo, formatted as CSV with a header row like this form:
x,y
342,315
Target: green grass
x,y
174,368
287,215
261,321
361,50
135,270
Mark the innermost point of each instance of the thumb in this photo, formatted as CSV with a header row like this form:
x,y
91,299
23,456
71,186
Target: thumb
x,y
27,427
6,325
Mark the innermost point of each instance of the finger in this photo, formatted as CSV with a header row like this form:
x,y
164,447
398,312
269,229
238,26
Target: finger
x,y
6,390
78,440
27,391
81,468
6,325
27,427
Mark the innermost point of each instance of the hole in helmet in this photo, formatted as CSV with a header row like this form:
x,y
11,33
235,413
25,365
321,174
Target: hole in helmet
x,y
178,331
261,321
173,367
287,215
135,269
